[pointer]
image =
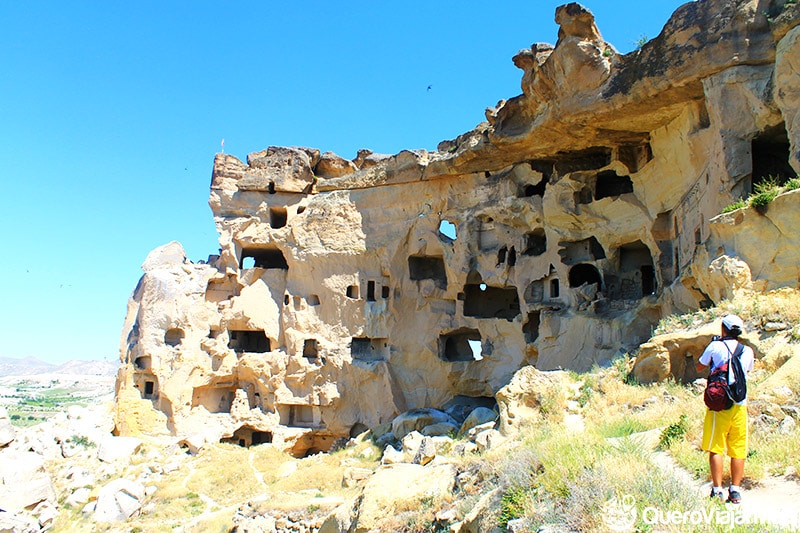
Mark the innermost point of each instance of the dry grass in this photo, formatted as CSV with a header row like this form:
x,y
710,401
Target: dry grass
x,y
780,305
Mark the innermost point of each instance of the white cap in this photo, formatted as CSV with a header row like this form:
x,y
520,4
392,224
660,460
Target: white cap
x,y
732,322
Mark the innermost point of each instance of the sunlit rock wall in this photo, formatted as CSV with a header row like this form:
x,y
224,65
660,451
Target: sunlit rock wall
x,y
556,234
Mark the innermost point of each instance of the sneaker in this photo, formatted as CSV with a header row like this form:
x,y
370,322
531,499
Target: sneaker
x,y
734,496
717,494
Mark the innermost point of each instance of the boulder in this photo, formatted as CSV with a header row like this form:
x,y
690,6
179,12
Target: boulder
x,y
391,456
113,449
118,500
529,392
397,487
24,482
478,416
354,476
417,419
439,429
426,452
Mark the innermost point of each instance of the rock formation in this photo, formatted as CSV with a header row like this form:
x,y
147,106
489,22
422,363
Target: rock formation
x,y
556,234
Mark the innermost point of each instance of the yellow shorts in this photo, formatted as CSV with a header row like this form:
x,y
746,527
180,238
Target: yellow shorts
x,y
726,430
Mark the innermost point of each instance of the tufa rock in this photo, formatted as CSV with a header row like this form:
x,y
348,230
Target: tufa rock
x,y
554,235
118,500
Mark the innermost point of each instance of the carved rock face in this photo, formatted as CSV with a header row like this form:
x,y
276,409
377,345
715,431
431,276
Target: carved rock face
x,y
556,235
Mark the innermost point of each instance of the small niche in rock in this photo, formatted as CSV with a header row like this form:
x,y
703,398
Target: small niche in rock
x,y
310,349
263,258
460,345
573,252
277,217
529,190
555,289
255,341
531,328
367,349
173,337
610,185
352,292
535,242
143,362
770,156
584,273
483,301
422,267
635,156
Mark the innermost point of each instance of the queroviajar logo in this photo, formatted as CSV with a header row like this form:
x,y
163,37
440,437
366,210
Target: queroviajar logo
x,y
619,513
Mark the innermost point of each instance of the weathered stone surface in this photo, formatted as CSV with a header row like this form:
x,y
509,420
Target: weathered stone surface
x,y
787,89
397,487
417,419
439,429
483,517
426,452
24,482
675,355
746,231
118,500
353,476
278,169
478,416
583,211
521,400
117,448
331,165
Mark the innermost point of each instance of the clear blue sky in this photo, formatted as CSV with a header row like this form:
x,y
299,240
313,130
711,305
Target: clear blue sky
x,y
111,113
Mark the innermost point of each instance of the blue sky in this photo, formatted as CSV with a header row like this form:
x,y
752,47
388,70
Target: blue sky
x,y
111,113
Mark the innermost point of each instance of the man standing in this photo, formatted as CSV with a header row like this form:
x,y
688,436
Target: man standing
x,y
726,430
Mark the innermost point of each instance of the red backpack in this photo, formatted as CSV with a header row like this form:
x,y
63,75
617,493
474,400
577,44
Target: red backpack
x,y
718,395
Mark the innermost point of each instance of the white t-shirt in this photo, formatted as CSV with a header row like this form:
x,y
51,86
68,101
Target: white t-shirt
x,y
717,353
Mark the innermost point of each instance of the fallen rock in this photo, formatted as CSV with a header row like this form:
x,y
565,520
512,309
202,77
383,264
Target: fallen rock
x,y
113,449
522,399
24,482
440,429
118,500
400,486
353,476
426,452
417,419
478,416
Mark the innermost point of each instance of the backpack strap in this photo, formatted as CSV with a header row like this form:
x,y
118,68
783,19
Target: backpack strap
x,y
737,352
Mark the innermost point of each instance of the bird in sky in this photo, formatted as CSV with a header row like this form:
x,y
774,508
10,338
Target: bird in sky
x,y
430,87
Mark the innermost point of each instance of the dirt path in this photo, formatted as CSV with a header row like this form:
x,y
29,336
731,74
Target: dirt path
x,y
774,500
770,501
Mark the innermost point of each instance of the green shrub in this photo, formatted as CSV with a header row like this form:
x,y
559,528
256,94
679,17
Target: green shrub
x,y
738,204
512,505
764,192
82,440
672,433
792,184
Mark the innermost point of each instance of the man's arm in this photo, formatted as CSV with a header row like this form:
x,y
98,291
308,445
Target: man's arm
x,y
700,367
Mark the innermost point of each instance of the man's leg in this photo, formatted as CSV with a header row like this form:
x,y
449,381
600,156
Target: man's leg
x,y
737,471
715,465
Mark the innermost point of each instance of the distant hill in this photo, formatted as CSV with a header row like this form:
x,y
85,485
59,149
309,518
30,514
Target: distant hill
x,y
27,366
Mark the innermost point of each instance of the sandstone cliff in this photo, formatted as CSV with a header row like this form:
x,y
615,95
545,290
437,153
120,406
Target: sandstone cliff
x,y
556,234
